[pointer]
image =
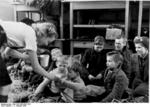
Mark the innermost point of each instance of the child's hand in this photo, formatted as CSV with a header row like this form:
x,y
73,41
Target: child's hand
x,y
91,77
99,76
57,78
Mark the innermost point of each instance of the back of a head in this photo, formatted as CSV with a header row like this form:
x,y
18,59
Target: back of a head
x,y
27,21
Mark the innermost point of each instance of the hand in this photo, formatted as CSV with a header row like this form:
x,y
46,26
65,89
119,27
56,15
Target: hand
x,y
51,76
99,76
57,78
91,77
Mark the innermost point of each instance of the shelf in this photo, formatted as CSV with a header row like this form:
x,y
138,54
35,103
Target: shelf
x,y
94,26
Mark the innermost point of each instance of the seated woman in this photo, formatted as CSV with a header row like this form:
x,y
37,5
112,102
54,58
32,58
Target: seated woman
x,y
140,67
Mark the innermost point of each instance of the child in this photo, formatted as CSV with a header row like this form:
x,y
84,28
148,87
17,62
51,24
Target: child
x,y
75,87
5,80
55,88
74,82
55,53
94,61
115,80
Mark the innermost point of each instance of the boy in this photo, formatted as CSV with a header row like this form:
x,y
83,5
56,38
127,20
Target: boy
x,y
5,81
140,67
115,80
55,87
94,61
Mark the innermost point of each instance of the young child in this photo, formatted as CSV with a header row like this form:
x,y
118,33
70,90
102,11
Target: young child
x,y
75,87
74,82
93,61
55,53
54,86
115,80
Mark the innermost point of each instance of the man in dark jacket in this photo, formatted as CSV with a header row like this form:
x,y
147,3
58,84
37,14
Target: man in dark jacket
x,y
94,60
121,46
140,66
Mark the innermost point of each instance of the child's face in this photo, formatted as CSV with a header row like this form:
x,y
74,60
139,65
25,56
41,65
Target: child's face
x,y
119,44
98,46
61,66
110,62
140,49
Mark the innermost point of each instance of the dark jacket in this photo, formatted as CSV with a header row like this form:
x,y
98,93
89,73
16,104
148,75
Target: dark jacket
x,y
94,62
115,83
4,76
126,67
140,67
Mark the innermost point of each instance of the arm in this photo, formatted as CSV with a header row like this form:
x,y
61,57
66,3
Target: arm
x,y
75,85
42,86
36,66
16,54
118,89
85,59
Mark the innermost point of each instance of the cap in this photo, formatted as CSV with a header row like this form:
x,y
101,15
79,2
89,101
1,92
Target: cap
x,y
99,39
143,40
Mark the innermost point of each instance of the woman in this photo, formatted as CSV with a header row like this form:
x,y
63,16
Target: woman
x,y
20,35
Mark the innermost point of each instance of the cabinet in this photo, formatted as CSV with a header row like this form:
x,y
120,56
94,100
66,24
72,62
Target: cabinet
x,y
144,18
91,18
21,11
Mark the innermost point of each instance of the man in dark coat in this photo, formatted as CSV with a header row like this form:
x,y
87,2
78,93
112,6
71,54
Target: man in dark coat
x,y
121,46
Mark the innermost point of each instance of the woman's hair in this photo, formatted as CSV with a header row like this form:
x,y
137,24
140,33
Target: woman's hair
x,y
3,37
46,28
117,57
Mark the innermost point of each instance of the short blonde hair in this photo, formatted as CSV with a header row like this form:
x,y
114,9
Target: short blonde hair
x,y
55,50
46,28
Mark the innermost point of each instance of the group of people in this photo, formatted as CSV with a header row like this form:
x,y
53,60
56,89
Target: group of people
x,y
97,76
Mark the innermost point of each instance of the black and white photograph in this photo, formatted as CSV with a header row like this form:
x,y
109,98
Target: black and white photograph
x,y
74,51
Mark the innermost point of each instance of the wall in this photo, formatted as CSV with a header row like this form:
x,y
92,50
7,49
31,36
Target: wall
x,y
6,10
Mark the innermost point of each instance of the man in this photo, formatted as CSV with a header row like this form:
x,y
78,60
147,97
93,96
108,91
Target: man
x,y
121,46
140,66
94,60
20,35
